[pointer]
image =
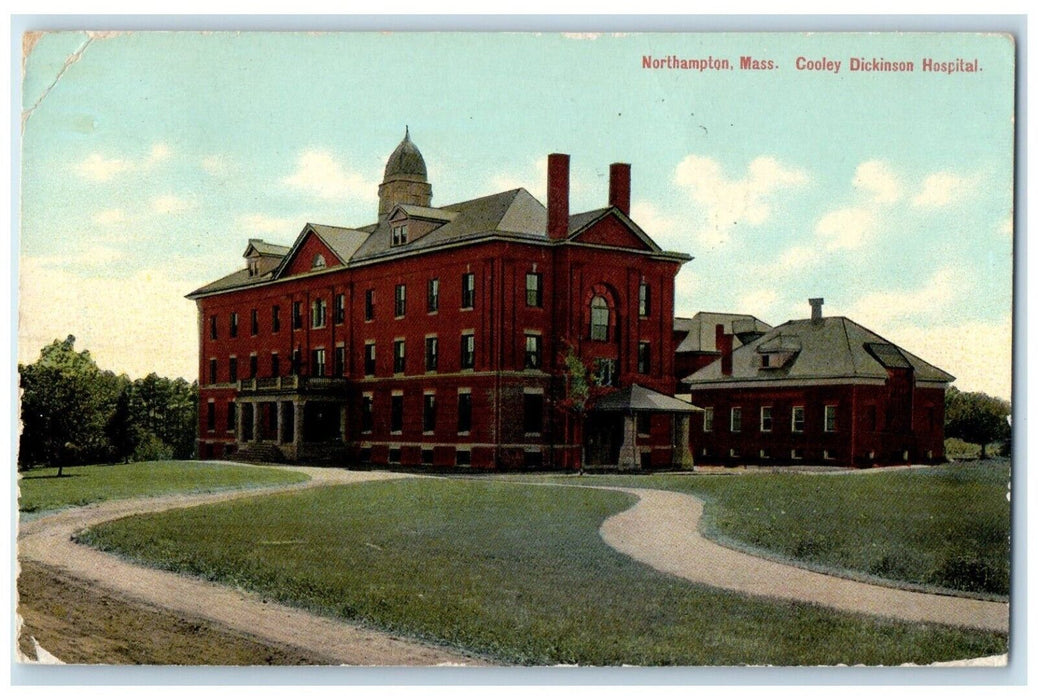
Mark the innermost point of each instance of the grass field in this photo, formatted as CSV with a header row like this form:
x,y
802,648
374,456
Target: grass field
x,y
513,572
42,489
944,527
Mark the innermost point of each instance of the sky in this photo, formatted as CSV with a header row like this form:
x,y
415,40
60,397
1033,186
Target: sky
x,y
150,159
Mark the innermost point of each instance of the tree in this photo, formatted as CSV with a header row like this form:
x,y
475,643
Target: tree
x,y
66,405
579,391
976,417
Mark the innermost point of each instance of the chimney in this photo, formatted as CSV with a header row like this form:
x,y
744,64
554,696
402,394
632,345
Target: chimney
x,y
816,309
723,342
558,196
620,187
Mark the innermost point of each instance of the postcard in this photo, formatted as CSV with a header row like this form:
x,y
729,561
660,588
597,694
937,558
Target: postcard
x,y
515,349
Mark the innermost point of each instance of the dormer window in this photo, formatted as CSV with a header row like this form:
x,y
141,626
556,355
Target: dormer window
x,y
253,266
399,234
319,262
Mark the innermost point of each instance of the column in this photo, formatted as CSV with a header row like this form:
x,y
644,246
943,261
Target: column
x,y
342,423
629,457
297,437
239,423
257,413
281,422
682,446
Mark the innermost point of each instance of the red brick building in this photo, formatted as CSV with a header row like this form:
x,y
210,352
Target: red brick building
x,y
695,339
436,335
817,391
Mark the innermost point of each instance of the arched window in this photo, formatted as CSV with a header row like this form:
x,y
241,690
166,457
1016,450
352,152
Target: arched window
x,y
318,262
599,319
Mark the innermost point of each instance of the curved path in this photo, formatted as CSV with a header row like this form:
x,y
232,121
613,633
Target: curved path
x,y
47,540
662,530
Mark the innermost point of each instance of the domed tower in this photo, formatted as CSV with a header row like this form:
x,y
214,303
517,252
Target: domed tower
x,y
406,180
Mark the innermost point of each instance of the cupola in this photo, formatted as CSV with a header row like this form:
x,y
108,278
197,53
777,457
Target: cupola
x,y
405,180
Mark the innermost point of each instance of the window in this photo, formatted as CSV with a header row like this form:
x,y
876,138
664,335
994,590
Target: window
x,y
254,323
468,290
318,313
401,300
369,359
297,315
317,362
253,366
533,413
464,412
429,413
234,325
432,296
275,319
398,357
212,328
318,263
232,416
830,418
367,413
275,365
533,289
297,361
644,299
369,305
232,366
708,419
605,372
765,419
533,351
432,354
340,308
339,368
599,319
212,371
400,234
798,419
468,350
644,353
210,416
796,454
736,419
396,413
765,360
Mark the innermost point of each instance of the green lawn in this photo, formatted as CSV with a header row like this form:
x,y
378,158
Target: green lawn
x,y
42,490
513,572
945,527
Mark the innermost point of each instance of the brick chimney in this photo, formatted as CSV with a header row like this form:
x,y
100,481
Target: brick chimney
x,y
620,187
558,196
723,342
816,309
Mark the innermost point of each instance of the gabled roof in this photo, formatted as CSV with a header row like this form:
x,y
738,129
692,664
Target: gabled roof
x,y
830,348
261,247
578,223
343,242
700,330
637,398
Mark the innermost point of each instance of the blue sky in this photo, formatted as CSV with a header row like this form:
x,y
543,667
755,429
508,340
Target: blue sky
x,y
149,159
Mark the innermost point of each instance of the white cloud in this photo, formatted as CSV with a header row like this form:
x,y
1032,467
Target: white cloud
x,y
318,174
168,204
109,217
730,202
136,325
792,262
100,169
846,228
653,221
159,153
215,165
1006,229
759,302
261,223
879,181
930,300
941,189
979,354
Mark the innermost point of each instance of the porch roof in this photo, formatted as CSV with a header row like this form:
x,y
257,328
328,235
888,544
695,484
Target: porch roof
x,y
639,399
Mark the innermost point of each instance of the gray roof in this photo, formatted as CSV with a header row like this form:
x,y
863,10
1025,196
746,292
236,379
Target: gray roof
x,y
406,161
240,278
701,329
831,348
637,398
264,248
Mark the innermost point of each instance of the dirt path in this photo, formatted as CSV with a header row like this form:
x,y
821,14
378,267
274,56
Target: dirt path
x,y
47,541
662,530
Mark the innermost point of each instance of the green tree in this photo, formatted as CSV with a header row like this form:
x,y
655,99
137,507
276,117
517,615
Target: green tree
x,y
66,405
976,417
